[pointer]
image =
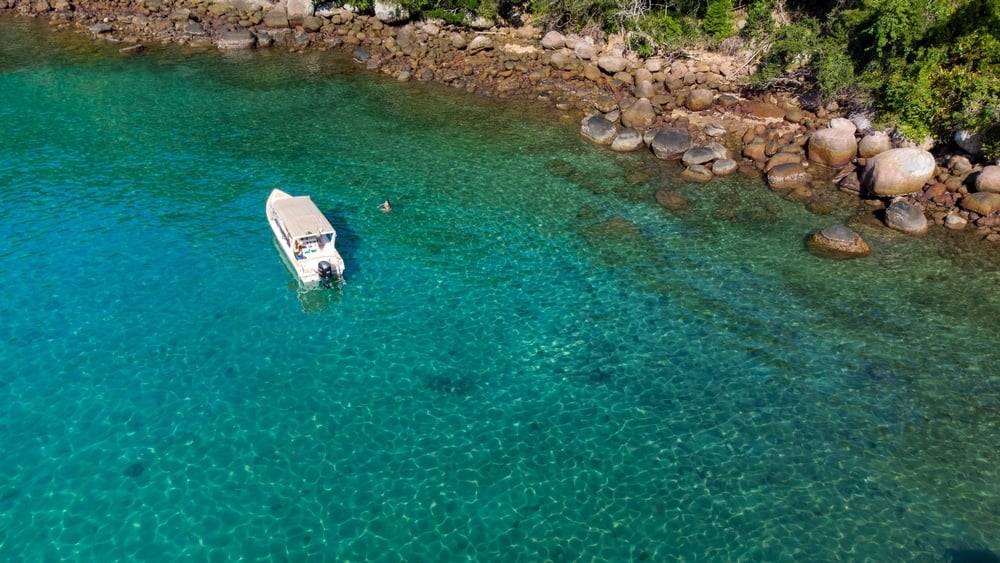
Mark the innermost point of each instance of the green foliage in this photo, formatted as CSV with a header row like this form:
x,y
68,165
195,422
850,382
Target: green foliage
x,y
928,66
893,28
834,69
719,19
576,14
649,33
991,143
759,24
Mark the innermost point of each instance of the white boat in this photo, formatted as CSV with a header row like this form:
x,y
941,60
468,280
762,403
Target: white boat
x,y
306,238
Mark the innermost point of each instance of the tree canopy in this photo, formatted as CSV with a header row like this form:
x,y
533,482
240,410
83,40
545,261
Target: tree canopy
x,y
927,66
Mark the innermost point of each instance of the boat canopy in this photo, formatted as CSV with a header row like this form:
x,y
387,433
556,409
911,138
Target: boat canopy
x,y
300,217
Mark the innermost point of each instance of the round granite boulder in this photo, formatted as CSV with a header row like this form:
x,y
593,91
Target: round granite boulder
x,y
639,115
906,217
612,64
989,179
599,130
699,99
838,242
698,155
873,144
627,140
833,146
670,143
787,177
554,40
645,88
898,172
725,167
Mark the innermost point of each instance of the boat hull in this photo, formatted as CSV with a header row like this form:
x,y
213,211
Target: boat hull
x,y
305,265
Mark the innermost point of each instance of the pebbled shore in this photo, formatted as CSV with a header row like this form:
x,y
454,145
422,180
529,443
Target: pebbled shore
x,y
693,101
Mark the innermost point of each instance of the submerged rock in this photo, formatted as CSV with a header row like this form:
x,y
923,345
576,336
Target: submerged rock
x,y
670,200
788,176
838,242
599,130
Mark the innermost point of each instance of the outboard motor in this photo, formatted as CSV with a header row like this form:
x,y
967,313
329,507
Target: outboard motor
x,y
326,273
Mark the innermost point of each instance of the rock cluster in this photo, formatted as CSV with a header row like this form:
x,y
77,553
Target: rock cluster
x,y
686,108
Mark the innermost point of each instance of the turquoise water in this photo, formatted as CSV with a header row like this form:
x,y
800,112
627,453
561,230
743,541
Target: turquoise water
x,y
530,360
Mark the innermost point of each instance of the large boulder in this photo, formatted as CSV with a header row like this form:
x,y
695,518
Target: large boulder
x,y
645,89
554,40
480,43
843,123
898,172
698,155
585,50
989,179
563,59
670,143
833,146
235,40
725,167
298,9
787,177
276,17
699,99
873,144
906,217
639,115
599,130
627,140
612,64
838,241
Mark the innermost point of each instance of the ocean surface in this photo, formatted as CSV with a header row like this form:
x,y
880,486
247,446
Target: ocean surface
x,y
530,359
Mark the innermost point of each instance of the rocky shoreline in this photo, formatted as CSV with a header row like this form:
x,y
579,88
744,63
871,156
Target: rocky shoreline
x,y
691,108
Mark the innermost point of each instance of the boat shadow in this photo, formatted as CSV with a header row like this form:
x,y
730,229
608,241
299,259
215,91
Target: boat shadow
x,y
348,242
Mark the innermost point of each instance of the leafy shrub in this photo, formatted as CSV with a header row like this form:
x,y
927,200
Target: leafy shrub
x,y
719,19
760,23
576,14
649,33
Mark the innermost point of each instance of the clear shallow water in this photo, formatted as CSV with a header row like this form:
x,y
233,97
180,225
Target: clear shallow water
x,y
531,360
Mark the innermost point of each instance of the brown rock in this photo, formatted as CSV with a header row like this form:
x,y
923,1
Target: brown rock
x,y
697,173
838,242
786,177
764,110
699,99
639,115
756,150
989,179
780,158
833,147
984,203
670,200
873,144
898,172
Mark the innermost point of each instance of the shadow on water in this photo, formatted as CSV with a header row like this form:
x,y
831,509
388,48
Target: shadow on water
x,y
971,556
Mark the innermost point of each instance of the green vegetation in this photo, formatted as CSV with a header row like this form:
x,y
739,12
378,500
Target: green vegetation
x,y
926,66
